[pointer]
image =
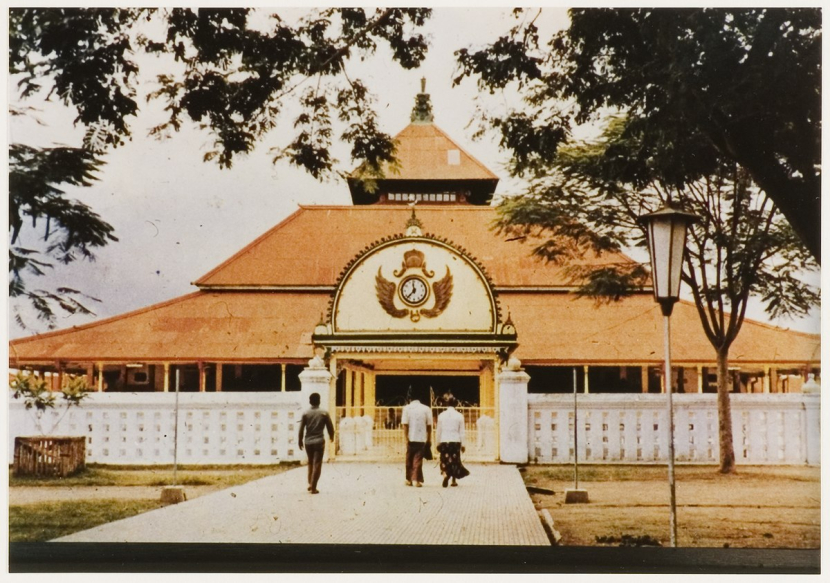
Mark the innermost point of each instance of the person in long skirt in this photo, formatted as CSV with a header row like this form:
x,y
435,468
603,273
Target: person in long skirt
x,y
450,438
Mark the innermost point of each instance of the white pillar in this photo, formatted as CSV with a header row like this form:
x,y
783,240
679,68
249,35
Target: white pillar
x,y
813,427
315,379
513,430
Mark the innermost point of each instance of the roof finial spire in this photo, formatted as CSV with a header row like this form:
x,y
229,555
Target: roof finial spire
x,y
413,225
422,112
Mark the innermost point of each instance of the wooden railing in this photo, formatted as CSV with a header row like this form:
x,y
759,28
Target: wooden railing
x,y
48,456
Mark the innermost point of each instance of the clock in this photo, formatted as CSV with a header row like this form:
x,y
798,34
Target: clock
x,y
414,290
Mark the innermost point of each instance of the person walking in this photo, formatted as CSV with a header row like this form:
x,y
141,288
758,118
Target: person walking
x,y
449,433
313,422
417,426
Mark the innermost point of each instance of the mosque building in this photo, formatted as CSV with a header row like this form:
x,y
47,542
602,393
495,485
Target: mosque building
x,y
408,291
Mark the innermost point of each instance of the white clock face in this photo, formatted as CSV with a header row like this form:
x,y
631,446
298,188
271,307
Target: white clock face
x,y
414,291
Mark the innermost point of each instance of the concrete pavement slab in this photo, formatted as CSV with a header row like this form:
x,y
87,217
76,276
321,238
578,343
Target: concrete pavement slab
x,y
359,503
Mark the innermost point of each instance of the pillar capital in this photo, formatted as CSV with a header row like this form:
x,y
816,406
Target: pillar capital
x,y
315,379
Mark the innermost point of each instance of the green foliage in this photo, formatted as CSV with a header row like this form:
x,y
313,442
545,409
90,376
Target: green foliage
x,y
33,390
741,247
38,398
237,78
698,85
70,229
81,55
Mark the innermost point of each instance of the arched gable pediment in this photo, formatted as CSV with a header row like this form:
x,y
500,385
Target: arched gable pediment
x,y
414,288
414,284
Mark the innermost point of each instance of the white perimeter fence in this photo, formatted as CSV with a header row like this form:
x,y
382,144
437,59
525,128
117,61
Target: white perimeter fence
x,y
261,428
766,429
214,428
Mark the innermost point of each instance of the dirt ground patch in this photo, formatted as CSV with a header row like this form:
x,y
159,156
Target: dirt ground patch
x,y
756,508
24,495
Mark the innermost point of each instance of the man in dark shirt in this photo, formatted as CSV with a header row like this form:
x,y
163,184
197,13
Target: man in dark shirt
x,y
312,424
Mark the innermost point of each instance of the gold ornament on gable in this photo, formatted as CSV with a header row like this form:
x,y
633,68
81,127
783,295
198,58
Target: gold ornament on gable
x,y
414,289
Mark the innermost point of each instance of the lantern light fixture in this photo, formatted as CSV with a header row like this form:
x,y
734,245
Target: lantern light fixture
x,y
666,229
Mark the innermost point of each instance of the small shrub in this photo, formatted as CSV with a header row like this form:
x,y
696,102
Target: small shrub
x,y
37,397
629,540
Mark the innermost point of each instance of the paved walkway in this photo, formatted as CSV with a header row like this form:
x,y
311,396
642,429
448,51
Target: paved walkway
x,y
359,503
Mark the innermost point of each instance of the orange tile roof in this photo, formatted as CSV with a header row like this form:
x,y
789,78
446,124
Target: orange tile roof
x,y
561,327
315,243
422,155
251,326
208,326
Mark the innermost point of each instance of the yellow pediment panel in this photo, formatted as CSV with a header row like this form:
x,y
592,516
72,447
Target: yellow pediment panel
x,y
414,284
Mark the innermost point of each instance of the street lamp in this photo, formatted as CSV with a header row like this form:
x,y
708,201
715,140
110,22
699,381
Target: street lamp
x,y
666,229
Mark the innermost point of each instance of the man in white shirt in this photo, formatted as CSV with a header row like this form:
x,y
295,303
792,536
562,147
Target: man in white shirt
x,y
449,434
417,426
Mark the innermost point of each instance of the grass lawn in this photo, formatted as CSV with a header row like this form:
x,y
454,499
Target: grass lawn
x,y
97,476
49,519
536,474
46,521
757,507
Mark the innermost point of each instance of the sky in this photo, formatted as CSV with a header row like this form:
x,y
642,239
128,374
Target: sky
x,y
178,217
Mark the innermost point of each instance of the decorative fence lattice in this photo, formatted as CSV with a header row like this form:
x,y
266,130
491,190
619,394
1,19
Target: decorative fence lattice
x,y
766,429
213,428
261,428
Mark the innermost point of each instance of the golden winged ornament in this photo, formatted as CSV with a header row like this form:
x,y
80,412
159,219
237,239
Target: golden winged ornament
x,y
386,296
442,290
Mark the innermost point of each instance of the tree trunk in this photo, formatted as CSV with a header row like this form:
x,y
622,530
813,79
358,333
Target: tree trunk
x,y
727,450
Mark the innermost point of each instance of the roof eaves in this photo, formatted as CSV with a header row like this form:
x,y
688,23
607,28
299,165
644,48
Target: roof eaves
x,y
164,304
766,325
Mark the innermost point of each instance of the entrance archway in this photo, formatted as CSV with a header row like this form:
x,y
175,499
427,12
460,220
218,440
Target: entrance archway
x,y
371,393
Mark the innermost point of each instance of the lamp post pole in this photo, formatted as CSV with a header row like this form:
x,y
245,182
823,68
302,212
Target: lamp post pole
x,y
672,499
666,230
576,495
576,443
176,434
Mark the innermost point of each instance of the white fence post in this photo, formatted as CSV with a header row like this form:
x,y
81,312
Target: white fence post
x,y
316,378
513,413
812,406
